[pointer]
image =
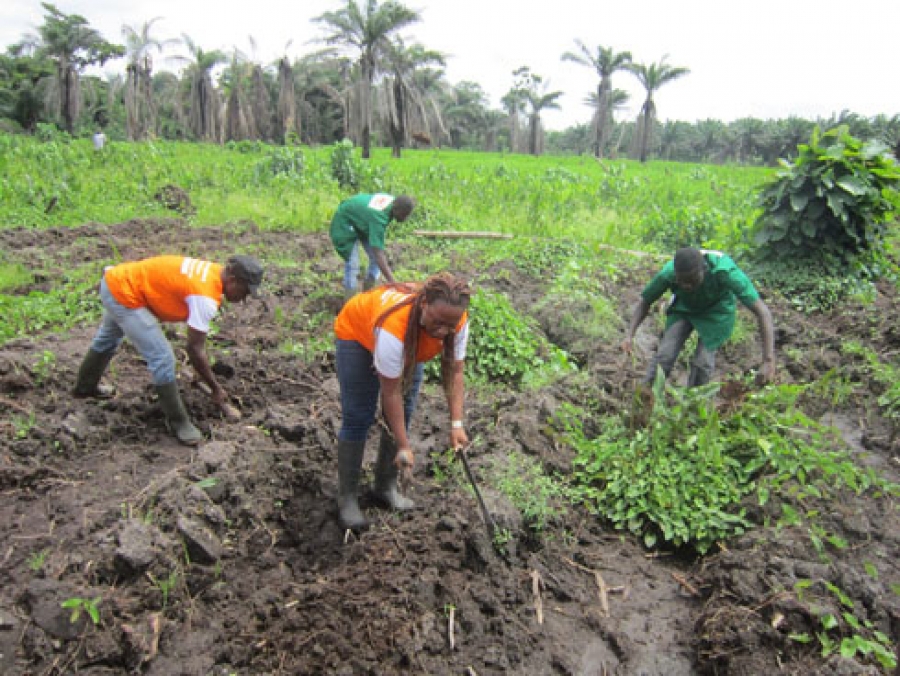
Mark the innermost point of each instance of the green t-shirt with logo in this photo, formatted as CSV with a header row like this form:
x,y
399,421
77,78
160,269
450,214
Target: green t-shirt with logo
x,y
362,217
711,307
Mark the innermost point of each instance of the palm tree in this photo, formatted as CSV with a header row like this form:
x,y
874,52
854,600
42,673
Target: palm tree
x,y
534,91
465,105
204,103
68,41
367,29
287,121
140,111
606,62
404,100
652,77
513,103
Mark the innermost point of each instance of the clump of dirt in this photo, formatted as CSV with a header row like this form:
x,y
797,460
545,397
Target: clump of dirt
x,y
228,558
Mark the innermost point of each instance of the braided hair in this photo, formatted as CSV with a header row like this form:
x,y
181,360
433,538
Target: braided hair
x,y
440,287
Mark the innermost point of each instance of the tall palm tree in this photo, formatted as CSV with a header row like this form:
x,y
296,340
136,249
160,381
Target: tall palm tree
x,y
605,62
652,77
204,103
404,100
72,45
366,28
140,110
287,121
513,103
534,91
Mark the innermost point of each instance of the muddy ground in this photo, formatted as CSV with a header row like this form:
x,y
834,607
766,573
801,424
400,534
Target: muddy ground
x,y
227,559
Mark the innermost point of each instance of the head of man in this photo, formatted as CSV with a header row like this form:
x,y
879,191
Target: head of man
x,y
402,207
241,278
690,268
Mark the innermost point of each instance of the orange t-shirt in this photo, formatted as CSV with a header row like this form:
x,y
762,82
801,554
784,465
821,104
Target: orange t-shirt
x,y
356,321
173,288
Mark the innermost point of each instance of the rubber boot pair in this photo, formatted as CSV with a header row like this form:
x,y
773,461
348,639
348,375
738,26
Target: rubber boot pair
x,y
91,370
385,491
177,418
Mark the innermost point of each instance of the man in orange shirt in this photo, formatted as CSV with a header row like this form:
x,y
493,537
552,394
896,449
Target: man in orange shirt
x,y
384,336
137,296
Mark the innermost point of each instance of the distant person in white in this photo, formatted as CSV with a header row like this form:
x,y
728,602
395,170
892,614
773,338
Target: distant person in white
x,y
99,140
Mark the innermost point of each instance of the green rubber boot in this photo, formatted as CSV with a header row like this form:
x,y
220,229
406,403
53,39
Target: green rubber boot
x,y
385,489
92,369
177,418
350,456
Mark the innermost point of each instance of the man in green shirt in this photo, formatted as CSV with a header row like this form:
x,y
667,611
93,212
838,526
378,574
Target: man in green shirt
x,y
705,285
362,220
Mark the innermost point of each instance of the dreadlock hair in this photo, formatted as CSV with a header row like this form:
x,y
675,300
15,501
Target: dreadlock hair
x,y
440,287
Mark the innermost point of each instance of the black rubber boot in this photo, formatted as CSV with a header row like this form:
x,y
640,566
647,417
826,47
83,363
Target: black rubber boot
x,y
386,472
92,369
177,417
350,456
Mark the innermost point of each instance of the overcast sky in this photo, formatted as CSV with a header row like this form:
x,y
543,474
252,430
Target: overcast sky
x,y
764,59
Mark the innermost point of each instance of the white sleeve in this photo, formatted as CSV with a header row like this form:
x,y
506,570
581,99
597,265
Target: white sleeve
x,y
201,310
460,342
388,355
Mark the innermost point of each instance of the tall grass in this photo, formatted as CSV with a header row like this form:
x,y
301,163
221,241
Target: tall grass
x,y
655,206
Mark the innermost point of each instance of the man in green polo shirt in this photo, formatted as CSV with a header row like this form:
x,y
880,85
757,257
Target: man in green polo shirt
x,y
705,285
362,221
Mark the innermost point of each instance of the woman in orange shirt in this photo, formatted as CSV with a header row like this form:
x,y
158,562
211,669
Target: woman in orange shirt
x,y
384,336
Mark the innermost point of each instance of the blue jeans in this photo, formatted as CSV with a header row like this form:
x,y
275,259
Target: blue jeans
x,y
142,328
360,388
702,365
351,266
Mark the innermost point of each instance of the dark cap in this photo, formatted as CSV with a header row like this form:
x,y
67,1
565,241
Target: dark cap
x,y
248,269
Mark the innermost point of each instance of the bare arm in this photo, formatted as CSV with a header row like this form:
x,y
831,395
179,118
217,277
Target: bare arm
x,y
382,262
196,351
456,397
638,315
767,338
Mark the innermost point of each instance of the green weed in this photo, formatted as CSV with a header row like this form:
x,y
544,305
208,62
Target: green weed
x,y
79,605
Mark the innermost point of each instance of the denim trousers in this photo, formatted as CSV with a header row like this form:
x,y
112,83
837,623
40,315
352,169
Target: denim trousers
x,y
670,345
351,266
142,328
360,388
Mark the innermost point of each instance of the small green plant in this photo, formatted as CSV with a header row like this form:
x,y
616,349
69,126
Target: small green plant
x,y
501,538
166,586
80,605
843,631
43,367
36,560
23,424
537,496
444,467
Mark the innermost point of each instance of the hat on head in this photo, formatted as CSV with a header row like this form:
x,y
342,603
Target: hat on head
x,y
248,269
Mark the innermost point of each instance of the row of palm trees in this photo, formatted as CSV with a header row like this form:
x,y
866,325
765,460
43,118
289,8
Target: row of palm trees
x,y
365,80
365,84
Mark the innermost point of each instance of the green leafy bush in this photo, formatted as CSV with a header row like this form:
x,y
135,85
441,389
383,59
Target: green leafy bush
x,y
682,476
504,345
281,161
837,198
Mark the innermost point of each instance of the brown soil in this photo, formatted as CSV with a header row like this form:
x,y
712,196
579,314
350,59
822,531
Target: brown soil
x,y
227,559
